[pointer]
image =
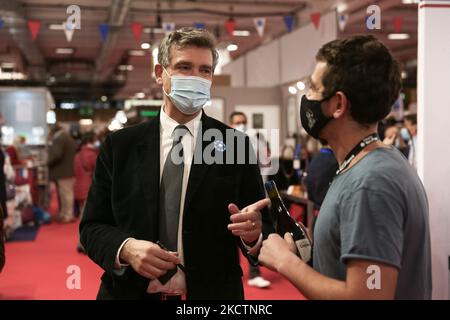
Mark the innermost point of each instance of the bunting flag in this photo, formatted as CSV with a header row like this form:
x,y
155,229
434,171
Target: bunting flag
x,y
168,27
289,22
68,32
398,24
200,25
260,25
34,26
315,18
1,23
104,30
137,28
230,24
342,21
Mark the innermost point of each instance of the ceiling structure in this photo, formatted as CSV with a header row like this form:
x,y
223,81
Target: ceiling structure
x,y
111,68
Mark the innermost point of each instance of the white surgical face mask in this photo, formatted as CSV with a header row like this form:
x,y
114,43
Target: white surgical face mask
x,y
241,127
405,134
188,93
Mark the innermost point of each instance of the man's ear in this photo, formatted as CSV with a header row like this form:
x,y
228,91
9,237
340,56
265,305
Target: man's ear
x,y
158,74
341,104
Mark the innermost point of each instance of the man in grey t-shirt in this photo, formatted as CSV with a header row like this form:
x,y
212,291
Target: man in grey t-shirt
x,y
371,239
377,211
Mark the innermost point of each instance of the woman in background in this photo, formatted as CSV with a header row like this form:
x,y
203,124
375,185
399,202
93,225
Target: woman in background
x,y
84,166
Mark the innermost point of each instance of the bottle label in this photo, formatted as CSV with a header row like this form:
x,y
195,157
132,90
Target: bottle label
x,y
304,249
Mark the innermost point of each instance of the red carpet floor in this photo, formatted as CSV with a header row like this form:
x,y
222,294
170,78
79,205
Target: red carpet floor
x,y
38,270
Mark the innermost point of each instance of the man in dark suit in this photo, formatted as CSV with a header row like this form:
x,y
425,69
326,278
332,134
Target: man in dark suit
x,y
142,193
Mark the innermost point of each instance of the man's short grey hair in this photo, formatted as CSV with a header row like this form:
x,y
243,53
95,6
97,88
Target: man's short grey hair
x,y
187,37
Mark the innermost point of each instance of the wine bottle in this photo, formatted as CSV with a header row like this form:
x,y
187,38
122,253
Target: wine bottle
x,y
285,223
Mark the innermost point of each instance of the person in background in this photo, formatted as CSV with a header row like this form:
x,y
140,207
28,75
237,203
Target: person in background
x,y
2,242
3,214
22,148
388,131
14,154
61,154
3,185
84,166
76,135
238,121
409,134
320,173
3,210
372,236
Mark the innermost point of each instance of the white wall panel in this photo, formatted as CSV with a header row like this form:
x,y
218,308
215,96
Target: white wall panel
x,y
299,48
237,71
263,66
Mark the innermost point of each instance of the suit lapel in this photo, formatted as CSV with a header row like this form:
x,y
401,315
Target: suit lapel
x,y
148,166
199,169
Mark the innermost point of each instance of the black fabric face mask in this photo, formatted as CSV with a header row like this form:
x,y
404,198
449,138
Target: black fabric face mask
x,y
312,117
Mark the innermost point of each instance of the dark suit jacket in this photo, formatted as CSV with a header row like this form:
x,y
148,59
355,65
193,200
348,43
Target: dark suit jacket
x,y
123,202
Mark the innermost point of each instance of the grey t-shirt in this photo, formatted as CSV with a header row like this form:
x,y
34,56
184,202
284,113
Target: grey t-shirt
x,y
377,211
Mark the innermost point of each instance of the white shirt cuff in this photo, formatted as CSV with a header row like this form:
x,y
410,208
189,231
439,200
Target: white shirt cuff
x,y
253,250
120,267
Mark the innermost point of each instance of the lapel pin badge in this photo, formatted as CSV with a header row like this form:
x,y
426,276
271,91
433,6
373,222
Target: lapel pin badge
x,y
220,146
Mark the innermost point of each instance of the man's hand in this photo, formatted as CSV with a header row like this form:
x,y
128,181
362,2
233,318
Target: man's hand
x,y
147,258
275,251
247,223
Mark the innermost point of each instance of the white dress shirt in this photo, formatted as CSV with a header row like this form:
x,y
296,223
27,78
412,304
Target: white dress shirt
x,y
177,284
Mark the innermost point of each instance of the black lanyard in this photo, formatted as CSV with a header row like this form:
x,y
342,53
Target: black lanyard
x,y
356,150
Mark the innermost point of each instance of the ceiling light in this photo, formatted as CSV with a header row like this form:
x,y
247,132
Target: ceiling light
x,y
342,7
65,50
241,33
232,47
8,65
292,90
136,53
86,122
55,26
104,98
140,95
126,67
51,117
12,75
145,46
155,30
119,77
398,36
301,85
404,74
67,105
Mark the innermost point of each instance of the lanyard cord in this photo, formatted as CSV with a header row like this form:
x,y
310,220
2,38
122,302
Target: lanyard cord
x,y
356,150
